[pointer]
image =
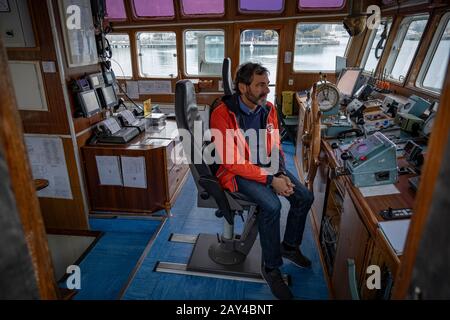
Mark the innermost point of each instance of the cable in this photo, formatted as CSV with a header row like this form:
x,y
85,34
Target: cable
x,y
380,44
131,100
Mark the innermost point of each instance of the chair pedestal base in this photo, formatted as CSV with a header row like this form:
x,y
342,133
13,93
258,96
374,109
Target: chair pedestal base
x,y
200,261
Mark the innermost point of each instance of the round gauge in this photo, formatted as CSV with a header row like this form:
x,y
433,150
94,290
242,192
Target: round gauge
x,y
327,96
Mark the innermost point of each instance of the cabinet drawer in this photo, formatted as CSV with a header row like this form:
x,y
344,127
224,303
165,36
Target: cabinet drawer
x,y
174,154
175,176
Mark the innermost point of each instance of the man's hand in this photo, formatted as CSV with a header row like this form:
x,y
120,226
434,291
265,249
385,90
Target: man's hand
x,y
281,186
289,183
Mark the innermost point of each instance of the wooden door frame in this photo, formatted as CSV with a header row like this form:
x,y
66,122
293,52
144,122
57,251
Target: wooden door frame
x,y
22,184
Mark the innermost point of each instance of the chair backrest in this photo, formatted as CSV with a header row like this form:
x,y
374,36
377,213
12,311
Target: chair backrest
x,y
227,77
210,192
188,117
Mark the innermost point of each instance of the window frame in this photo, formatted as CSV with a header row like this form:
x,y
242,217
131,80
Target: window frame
x,y
139,64
398,42
444,21
370,42
345,53
131,55
186,74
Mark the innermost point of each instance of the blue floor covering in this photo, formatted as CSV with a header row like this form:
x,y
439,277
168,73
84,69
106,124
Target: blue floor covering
x,y
188,219
107,267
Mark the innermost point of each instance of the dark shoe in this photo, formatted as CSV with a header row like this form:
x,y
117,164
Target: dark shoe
x,y
296,257
276,284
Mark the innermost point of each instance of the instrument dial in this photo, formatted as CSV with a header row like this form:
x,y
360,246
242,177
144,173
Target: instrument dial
x,y
327,96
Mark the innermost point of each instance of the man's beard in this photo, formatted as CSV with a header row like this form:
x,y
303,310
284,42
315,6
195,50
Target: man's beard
x,y
260,100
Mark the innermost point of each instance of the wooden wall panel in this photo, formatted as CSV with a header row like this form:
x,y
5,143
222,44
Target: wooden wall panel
x,y
433,161
65,213
12,142
54,121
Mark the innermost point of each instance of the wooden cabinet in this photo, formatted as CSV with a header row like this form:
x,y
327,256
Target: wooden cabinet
x,y
319,189
346,225
383,257
353,243
164,175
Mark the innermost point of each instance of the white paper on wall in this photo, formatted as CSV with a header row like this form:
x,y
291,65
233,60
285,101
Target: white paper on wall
x,y
134,173
108,168
155,87
46,155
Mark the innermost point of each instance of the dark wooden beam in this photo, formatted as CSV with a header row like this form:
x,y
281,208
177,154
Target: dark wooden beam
x,y
22,184
433,161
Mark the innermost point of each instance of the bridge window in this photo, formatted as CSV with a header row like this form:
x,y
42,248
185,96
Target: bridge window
x,y
432,73
157,54
116,10
261,46
318,44
204,52
405,47
202,7
267,6
372,54
121,55
320,4
154,8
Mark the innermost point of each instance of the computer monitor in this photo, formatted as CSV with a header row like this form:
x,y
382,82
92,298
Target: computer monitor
x,y
89,102
348,80
341,64
108,97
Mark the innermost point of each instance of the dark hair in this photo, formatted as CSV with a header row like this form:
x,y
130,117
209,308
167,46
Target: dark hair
x,y
245,74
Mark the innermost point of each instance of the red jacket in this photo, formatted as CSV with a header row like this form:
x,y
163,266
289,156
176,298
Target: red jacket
x,y
226,116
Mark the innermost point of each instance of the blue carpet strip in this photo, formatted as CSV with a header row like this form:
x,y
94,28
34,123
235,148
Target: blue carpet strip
x,y
107,268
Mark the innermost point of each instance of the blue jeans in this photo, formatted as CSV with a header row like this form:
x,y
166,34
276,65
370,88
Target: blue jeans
x,y
269,216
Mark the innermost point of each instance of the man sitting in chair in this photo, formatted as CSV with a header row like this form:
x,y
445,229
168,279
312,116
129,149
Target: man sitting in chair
x,y
248,109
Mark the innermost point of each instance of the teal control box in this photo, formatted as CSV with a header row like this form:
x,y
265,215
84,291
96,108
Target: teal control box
x,y
372,161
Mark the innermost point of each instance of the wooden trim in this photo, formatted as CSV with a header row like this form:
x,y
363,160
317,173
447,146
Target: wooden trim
x,y
433,161
11,137
316,233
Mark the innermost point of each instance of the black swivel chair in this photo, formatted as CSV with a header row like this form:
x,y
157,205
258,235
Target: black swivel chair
x,y
228,254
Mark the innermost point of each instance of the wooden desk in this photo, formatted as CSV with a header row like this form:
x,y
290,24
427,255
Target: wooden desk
x,y
345,224
164,178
